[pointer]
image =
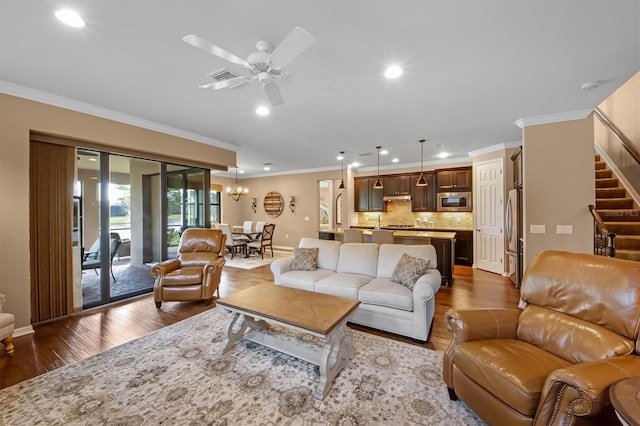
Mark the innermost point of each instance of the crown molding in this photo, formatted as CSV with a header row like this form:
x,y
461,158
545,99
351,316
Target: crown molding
x,y
553,118
494,148
71,104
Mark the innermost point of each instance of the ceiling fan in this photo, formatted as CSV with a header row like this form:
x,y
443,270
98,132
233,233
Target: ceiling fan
x,y
265,65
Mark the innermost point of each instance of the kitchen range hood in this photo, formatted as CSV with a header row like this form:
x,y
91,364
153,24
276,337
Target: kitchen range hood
x,y
405,197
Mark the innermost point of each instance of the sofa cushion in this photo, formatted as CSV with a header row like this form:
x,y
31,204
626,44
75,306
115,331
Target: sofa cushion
x,y
305,259
305,280
512,370
327,254
342,284
408,270
384,292
358,258
390,255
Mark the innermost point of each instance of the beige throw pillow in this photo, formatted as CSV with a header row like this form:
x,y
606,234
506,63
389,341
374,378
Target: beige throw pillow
x,y
304,259
408,270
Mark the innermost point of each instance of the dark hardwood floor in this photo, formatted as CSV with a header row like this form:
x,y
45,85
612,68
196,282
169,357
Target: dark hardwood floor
x,y
82,335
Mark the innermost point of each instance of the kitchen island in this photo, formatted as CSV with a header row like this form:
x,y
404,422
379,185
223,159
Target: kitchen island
x,y
443,242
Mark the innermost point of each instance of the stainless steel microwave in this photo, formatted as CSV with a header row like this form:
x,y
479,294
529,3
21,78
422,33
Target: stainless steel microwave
x,y
454,202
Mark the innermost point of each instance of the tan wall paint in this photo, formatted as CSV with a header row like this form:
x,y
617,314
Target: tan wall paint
x,y
623,109
304,187
19,117
559,184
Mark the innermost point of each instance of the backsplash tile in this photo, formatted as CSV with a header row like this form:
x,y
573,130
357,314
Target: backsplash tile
x,y
399,213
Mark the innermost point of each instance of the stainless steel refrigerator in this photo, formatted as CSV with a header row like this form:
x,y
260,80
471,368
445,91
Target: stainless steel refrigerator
x,y
513,219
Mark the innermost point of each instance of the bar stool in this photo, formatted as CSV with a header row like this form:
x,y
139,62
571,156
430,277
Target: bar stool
x,y
353,236
382,236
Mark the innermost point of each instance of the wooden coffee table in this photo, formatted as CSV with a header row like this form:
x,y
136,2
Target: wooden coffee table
x,y
261,307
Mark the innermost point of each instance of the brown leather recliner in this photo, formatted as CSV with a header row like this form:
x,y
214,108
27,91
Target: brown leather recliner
x,y
195,274
552,362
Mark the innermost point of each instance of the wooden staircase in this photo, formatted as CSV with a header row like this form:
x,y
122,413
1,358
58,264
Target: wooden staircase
x,y
618,212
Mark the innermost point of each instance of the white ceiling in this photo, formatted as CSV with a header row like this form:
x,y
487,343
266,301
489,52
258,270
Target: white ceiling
x,y
471,69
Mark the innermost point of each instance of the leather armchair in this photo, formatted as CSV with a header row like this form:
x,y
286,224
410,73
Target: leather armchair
x,y
552,361
195,274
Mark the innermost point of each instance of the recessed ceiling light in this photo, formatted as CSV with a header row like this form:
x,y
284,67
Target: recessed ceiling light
x,y
241,171
267,168
393,71
70,17
262,110
395,160
443,155
354,164
92,159
340,157
384,152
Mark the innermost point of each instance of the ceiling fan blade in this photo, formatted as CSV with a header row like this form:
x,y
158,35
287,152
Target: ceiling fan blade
x,y
296,42
232,82
207,46
273,94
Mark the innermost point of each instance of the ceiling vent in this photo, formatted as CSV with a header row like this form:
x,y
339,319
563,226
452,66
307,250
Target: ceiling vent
x,y
224,74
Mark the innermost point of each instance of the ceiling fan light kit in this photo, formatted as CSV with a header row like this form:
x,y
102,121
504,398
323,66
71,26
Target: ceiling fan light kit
x,y
265,65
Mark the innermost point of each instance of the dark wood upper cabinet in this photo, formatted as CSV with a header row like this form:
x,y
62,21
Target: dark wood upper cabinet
x,y
366,197
397,185
454,180
423,198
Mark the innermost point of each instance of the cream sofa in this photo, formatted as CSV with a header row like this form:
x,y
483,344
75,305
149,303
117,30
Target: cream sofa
x,y
363,271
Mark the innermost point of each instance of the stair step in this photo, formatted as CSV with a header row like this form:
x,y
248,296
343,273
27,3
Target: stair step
x,y
597,157
603,173
614,203
600,165
624,228
619,215
628,255
607,183
618,192
627,242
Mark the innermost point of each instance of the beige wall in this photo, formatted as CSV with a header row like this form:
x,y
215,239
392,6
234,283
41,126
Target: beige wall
x,y
623,109
559,184
19,117
290,226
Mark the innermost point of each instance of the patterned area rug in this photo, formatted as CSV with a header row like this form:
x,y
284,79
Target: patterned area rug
x,y
254,261
176,376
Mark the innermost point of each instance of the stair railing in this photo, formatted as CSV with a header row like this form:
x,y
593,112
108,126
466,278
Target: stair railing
x,y
624,140
603,240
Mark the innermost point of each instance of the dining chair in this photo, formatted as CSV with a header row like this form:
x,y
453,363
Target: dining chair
x,y
233,243
382,236
353,236
266,240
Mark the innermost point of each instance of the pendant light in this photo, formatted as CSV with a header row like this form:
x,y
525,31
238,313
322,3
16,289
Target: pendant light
x,y
237,191
341,157
422,181
378,184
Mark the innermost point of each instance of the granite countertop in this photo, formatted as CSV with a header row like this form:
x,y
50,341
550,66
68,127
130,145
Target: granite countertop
x,y
403,233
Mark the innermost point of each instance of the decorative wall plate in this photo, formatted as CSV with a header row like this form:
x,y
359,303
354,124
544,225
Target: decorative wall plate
x,y
273,204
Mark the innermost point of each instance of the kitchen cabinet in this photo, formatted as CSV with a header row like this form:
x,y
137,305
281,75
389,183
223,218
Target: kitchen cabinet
x,y
367,198
326,235
444,249
464,248
454,180
423,198
396,185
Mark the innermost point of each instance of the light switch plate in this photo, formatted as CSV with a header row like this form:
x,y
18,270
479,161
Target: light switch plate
x,y
538,229
564,229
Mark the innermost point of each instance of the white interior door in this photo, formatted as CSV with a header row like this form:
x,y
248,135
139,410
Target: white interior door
x,y
489,220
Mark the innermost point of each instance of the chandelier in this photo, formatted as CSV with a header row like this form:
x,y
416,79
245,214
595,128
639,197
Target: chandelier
x,y
236,192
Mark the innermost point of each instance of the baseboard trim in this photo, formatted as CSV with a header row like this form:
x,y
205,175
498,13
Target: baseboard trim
x,y
23,331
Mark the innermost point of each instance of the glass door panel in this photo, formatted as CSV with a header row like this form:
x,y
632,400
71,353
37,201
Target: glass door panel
x,y
133,224
187,203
